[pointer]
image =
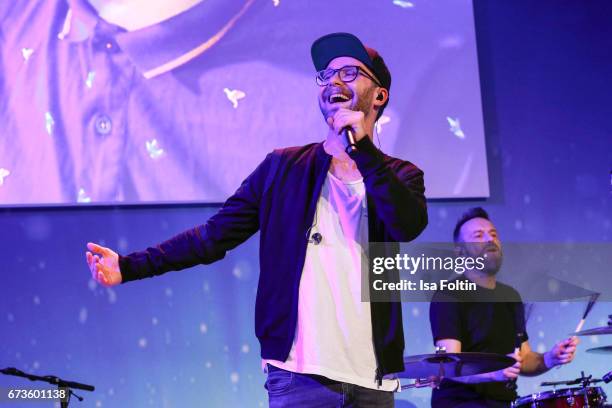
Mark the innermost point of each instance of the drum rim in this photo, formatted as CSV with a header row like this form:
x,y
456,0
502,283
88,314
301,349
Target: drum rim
x,y
560,392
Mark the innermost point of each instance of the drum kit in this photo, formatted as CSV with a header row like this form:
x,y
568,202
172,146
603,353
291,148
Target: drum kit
x,y
429,369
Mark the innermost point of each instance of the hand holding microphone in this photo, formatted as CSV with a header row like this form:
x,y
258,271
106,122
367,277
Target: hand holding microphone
x,y
349,125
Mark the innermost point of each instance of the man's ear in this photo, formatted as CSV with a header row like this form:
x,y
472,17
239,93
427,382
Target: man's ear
x,y
381,97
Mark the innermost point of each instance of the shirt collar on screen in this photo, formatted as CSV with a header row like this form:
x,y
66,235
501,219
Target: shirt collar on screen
x,y
162,47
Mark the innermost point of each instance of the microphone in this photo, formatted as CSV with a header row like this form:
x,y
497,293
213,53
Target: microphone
x,y
350,139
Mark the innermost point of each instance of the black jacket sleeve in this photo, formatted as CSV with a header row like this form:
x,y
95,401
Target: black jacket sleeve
x,y
233,224
398,193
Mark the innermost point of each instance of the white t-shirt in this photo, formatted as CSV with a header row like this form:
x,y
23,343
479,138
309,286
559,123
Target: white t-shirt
x,y
333,337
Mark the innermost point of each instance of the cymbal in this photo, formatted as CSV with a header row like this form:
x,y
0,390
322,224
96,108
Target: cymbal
x,y
450,365
600,350
594,332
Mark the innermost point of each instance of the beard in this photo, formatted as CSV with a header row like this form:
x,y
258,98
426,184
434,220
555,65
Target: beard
x,y
492,254
492,264
493,259
363,102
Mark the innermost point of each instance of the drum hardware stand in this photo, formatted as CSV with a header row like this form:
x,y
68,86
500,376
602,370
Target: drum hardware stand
x,y
61,384
434,381
583,381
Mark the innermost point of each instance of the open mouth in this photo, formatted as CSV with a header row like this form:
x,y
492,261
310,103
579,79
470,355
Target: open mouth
x,y
338,98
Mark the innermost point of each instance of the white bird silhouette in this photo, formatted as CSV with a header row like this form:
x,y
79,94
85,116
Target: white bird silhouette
x,y
383,120
403,4
49,122
26,53
83,197
234,95
155,152
3,174
455,127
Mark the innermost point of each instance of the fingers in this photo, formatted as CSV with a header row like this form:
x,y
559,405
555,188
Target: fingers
x,y
91,258
516,356
567,356
103,264
569,349
98,270
569,342
98,249
91,263
102,274
564,352
343,118
512,372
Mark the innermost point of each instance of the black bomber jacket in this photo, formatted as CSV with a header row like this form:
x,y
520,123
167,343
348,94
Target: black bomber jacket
x,y
279,199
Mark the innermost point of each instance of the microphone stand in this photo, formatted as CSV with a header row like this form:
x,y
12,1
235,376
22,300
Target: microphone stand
x,y
61,384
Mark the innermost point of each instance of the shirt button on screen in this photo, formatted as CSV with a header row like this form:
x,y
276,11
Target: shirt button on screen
x,y
103,125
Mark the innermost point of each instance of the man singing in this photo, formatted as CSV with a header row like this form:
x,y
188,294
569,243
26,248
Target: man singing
x,y
489,320
317,207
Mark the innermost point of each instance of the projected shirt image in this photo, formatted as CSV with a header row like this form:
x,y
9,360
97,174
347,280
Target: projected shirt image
x,y
183,110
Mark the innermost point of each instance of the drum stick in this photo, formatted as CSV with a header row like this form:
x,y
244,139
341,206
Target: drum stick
x,y
580,324
588,309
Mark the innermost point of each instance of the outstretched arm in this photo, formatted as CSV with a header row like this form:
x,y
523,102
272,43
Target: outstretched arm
x,y
233,224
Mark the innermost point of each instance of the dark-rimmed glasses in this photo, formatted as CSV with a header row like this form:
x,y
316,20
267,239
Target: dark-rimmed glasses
x,y
347,73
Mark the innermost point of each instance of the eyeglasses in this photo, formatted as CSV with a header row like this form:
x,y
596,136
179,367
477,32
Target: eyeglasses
x,y
347,73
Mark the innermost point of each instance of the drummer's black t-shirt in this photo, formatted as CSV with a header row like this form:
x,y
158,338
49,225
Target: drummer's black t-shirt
x,y
486,321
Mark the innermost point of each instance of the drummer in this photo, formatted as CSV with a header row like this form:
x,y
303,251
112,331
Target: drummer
x,y
490,319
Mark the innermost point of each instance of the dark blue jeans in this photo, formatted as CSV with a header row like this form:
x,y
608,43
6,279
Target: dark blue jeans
x,y
287,389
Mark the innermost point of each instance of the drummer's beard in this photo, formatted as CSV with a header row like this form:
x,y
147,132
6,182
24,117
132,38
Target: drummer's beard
x,y
493,257
489,252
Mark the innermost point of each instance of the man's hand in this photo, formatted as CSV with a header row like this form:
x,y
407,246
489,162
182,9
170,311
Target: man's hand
x,y
562,353
346,117
103,264
509,373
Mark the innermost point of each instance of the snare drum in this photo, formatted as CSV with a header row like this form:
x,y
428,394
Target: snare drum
x,y
563,398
